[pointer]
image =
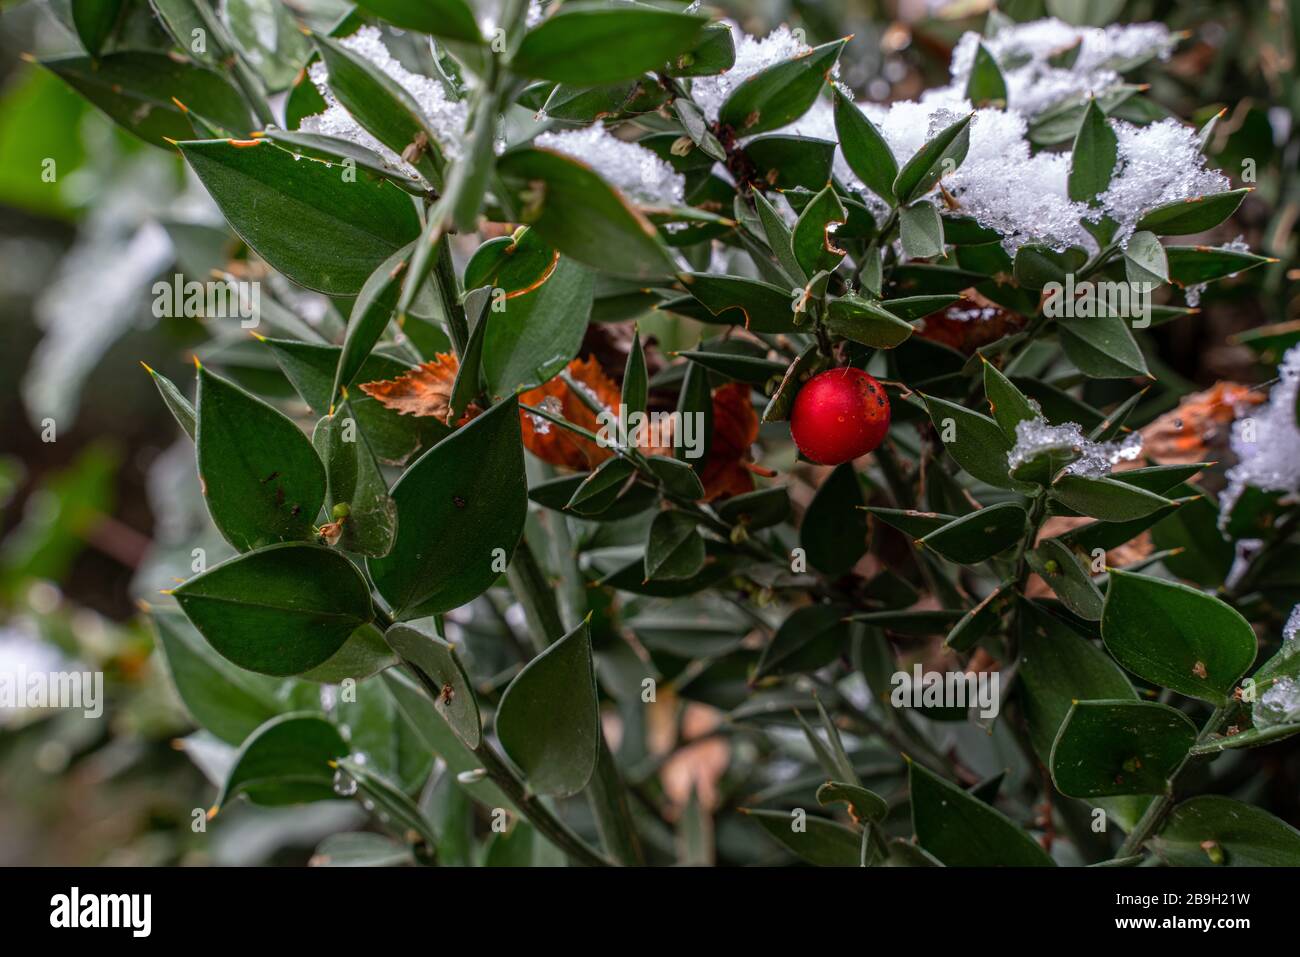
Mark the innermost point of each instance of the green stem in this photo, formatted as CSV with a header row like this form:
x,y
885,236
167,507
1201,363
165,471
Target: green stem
x,y
537,813
1155,813
449,292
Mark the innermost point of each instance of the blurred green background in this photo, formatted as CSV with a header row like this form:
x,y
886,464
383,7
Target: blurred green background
x,y
97,491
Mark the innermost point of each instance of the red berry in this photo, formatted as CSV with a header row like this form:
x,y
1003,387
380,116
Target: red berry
x,y
839,415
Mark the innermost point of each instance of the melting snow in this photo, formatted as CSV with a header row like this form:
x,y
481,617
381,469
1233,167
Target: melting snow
x,y
632,169
1095,458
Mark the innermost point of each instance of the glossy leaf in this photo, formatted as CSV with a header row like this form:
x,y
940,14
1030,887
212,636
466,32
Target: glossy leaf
x,y
439,668
286,761
980,535
834,530
781,93
1187,216
342,231
262,481
1107,748
1175,636
453,19
577,212
549,721
1211,830
360,507
280,610
865,149
135,89
821,842
674,549
460,512
937,158
978,443
962,831
591,44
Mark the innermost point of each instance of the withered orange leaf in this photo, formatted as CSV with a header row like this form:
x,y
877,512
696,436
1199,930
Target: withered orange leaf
x,y
1198,429
423,391
735,430
557,445
969,323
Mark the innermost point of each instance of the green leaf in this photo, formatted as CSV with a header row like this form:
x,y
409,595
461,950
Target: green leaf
x,y
779,238
909,521
980,535
759,306
755,370
865,149
674,549
360,849
985,86
466,386
394,808
834,529
813,237
286,761
362,655
811,637
781,93
977,442
1092,162
754,510
225,700
415,708
695,404
262,481
601,486
281,610
1186,216
921,230
1089,13
331,149
1106,498
1102,347
589,44
1175,636
452,19
439,668
1037,265
1241,835
540,329
94,20
805,366
868,322
962,831
789,162
864,805
577,212
460,510
1008,404
1107,748
937,158
356,494
342,232
1057,668
370,315
714,51
635,392
1192,265
917,307
678,477
549,719
383,107
1145,260
270,38
176,403
979,620
822,843
135,90
1060,568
